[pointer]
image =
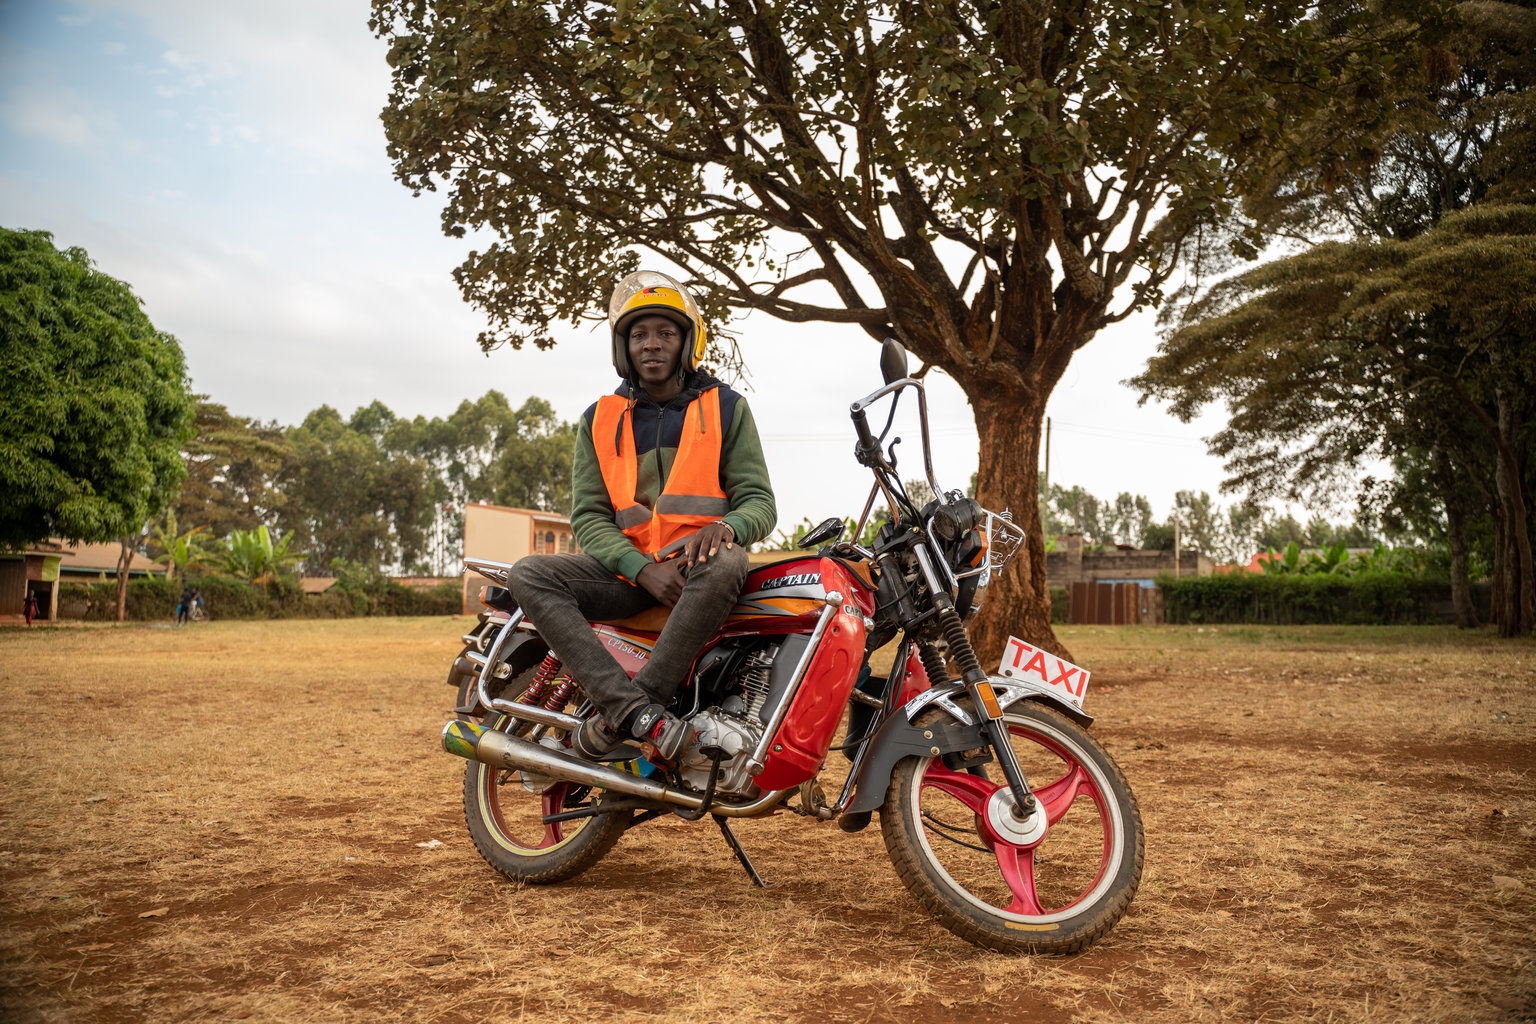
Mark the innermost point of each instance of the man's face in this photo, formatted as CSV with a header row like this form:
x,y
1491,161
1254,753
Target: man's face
x,y
655,346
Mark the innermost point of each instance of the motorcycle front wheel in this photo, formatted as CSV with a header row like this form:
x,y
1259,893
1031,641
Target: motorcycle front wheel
x,y
506,821
1055,882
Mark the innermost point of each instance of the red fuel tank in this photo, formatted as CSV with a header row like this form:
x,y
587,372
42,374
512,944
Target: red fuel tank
x,y
801,743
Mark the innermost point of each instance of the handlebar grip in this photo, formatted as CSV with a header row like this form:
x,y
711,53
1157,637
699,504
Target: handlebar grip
x,y
868,446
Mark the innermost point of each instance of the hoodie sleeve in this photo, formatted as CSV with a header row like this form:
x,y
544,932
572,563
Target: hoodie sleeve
x,y
744,478
592,516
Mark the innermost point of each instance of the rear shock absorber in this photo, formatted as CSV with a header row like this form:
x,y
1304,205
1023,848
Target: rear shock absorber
x,y
539,688
562,695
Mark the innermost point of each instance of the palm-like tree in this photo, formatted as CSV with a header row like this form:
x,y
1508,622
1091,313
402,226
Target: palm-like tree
x,y
180,550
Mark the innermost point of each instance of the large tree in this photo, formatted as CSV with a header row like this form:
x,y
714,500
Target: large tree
x,y
232,467
348,499
991,183
1413,340
94,402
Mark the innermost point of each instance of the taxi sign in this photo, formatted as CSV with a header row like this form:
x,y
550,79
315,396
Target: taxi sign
x,y
1028,663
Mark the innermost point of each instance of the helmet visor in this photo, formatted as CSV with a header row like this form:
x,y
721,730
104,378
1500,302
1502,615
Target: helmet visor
x,y
638,282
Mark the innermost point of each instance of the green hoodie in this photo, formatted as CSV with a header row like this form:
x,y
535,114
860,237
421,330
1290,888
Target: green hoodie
x,y
657,430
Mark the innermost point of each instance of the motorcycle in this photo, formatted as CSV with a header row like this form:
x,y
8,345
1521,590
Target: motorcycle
x,y
1003,817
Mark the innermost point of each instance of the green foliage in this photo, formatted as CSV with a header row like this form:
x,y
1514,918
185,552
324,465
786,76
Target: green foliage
x,y
155,598
232,469
989,183
226,598
714,135
1410,337
1385,598
348,497
179,551
146,599
93,400
253,556
1225,533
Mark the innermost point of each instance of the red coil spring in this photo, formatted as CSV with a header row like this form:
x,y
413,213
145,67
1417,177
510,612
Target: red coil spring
x,y
562,695
541,680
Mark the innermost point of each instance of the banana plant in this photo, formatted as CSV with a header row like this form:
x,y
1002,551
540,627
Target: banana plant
x,y
1278,564
253,556
181,551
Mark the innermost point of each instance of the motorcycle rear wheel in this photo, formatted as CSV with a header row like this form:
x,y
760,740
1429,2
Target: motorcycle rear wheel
x,y
1055,885
505,822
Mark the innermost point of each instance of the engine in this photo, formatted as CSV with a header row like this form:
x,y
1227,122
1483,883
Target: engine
x,y
732,727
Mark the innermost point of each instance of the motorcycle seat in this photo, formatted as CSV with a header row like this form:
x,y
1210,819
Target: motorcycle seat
x,y
649,621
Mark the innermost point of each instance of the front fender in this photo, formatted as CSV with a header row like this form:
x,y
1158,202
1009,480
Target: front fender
x,y
959,729
899,738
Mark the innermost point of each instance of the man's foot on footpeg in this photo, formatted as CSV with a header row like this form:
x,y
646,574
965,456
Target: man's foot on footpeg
x,y
663,737
595,738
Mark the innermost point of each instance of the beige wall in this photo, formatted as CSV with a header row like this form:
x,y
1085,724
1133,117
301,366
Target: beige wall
x,y
503,534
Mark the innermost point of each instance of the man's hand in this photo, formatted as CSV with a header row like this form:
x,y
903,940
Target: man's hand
x,y
663,581
707,542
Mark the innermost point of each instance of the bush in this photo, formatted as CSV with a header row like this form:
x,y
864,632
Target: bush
x,y
443,599
1368,598
152,598
1061,606
228,598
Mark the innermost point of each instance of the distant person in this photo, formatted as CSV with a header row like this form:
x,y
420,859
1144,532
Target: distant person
x,y
669,462
197,605
184,605
30,605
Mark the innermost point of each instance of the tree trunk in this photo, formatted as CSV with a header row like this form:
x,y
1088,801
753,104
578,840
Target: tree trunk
x,y
1456,539
1519,578
124,559
1018,600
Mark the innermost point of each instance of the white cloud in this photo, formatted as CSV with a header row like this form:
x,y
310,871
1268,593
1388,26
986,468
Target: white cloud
x,y
49,115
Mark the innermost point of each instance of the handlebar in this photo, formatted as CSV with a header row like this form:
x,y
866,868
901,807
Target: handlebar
x,y
868,450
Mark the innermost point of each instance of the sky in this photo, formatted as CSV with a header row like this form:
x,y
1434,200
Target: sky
x,y
227,160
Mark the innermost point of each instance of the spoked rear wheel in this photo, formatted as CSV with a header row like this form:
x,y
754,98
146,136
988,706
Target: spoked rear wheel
x,y
506,822
1053,883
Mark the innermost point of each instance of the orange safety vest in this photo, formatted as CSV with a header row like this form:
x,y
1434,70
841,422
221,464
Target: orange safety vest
x,y
691,497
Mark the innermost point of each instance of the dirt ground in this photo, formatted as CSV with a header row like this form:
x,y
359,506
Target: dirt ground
x,y
254,822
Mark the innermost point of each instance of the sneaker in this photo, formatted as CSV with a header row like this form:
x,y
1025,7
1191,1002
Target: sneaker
x,y
594,738
663,737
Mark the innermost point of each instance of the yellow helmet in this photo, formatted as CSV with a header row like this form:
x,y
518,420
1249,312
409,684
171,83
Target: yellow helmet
x,y
647,293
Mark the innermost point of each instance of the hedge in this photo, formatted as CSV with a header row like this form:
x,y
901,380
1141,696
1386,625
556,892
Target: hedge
x,y
226,598
1371,598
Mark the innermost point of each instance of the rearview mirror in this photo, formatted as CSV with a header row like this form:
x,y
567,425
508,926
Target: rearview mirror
x,y
893,360
827,529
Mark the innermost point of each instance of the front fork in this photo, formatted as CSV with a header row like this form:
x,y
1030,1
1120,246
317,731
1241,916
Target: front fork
x,y
980,690
1002,748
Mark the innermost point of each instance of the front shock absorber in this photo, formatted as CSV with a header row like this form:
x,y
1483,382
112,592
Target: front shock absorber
x,y
933,664
960,645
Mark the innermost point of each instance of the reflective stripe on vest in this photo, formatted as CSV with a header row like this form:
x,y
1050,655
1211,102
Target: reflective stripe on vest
x,y
691,497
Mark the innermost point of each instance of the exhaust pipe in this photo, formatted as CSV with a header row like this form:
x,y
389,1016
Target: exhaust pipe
x,y
474,742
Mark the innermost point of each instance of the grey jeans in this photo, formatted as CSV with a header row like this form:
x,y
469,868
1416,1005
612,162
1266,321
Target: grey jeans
x,y
563,594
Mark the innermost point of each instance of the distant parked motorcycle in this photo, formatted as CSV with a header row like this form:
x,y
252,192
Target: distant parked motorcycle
x,y
1002,816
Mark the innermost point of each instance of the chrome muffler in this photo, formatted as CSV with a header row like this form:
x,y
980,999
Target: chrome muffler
x,y
474,742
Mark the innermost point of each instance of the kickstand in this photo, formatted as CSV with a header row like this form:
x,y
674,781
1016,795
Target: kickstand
x,y
741,855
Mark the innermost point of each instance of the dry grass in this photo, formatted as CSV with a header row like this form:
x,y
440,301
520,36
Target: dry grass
x,y
1339,823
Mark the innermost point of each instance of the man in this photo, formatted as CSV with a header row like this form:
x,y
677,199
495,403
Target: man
x,y
670,487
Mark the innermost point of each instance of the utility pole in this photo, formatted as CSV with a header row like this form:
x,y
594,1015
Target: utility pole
x,y
1176,542
1047,456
